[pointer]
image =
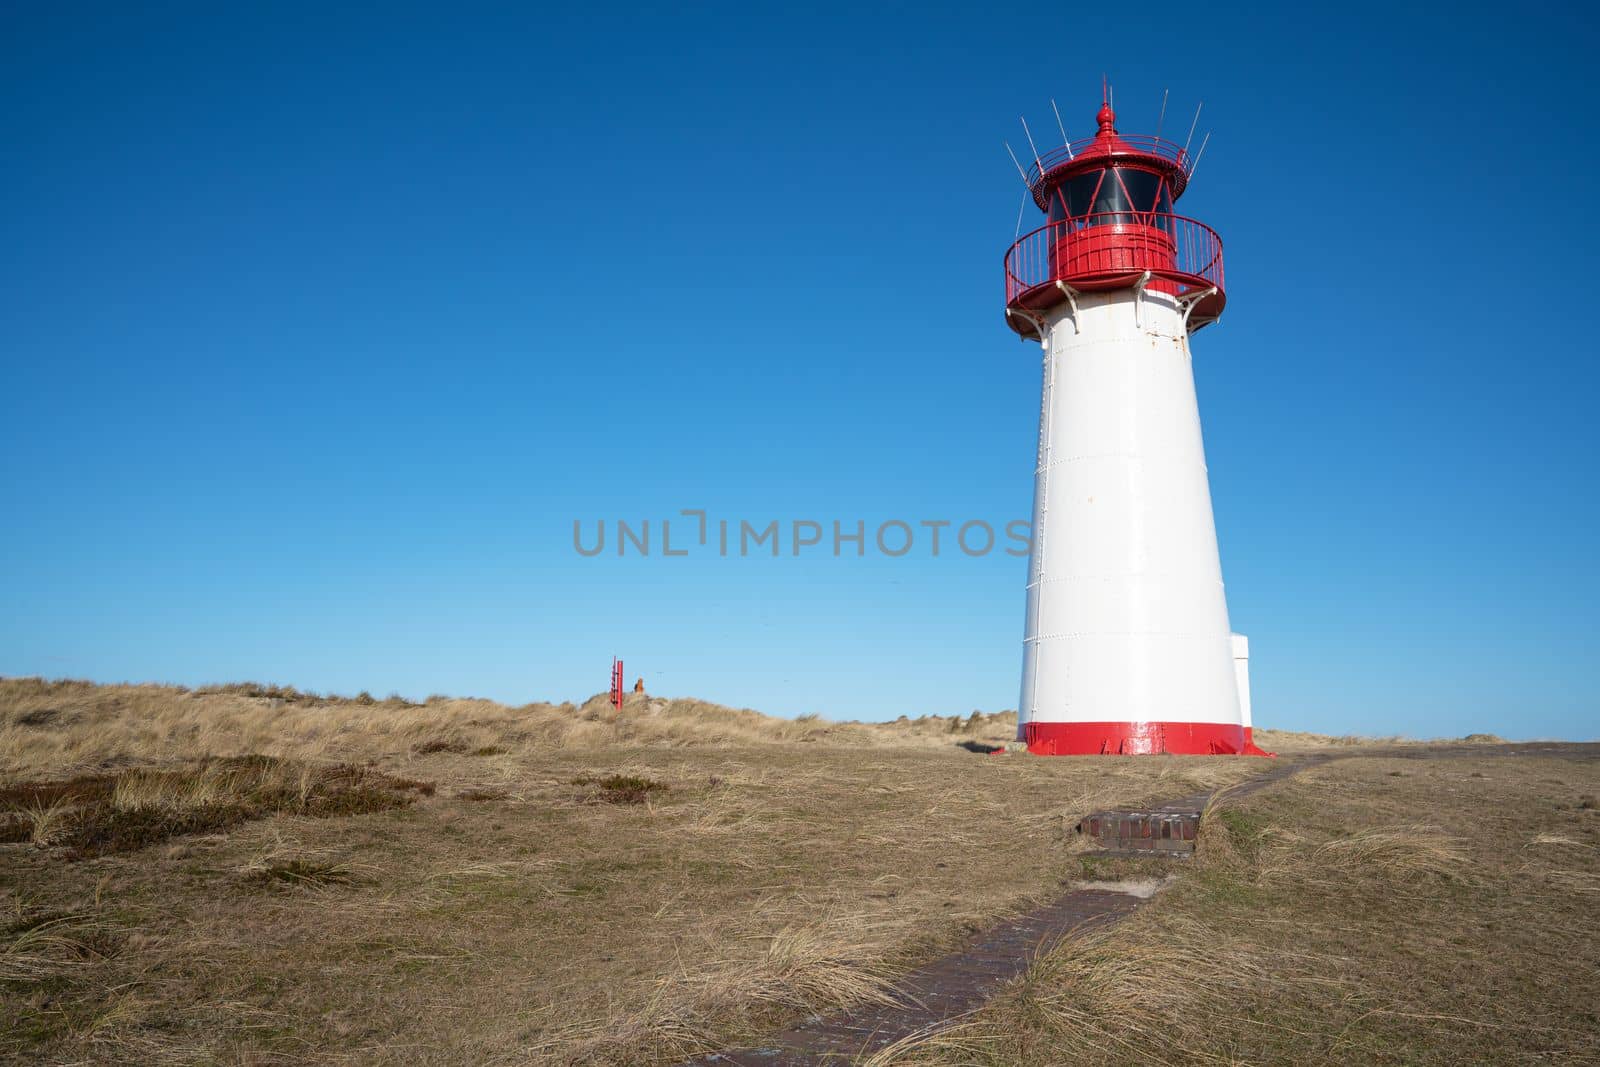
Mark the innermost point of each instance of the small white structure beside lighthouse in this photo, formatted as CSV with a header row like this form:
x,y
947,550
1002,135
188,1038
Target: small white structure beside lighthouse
x,y
1127,647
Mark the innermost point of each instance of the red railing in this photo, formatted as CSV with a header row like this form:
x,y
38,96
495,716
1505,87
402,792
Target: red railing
x,y
1106,251
1149,146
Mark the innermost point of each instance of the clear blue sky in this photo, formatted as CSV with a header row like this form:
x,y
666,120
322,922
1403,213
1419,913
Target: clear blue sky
x,y
321,325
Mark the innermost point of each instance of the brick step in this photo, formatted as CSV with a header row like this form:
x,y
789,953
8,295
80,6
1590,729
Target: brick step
x,y
1168,831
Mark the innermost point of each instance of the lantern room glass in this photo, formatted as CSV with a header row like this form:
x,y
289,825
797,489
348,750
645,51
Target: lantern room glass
x,y
1113,194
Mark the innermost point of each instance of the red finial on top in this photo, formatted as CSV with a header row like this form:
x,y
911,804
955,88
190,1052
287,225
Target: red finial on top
x,y
1106,117
1107,120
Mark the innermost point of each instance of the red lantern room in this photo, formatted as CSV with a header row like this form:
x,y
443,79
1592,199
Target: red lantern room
x,y
1108,201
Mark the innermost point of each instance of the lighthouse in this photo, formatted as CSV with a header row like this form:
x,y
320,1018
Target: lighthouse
x,y
1127,647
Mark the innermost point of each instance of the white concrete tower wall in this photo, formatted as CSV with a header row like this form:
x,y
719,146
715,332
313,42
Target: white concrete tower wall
x,y
1126,617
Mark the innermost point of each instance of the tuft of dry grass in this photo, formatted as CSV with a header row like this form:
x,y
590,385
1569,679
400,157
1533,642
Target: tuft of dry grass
x,y
818,966
285,863
1400,852
37,948
47,822
301,871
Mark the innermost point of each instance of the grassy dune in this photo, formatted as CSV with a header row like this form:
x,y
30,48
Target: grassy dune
x,y
50,726
252,874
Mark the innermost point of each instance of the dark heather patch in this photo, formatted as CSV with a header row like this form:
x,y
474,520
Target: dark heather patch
x,y
622,788
439,744
249,787
301,872
83,789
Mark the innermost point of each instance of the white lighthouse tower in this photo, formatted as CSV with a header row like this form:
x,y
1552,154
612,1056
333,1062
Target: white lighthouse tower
x,y
1127,648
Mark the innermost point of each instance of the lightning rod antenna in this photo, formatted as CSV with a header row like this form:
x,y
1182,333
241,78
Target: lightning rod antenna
x,y
1020,209
1020,172
1192,125
1031,145
1061,126
1198,154
1163,117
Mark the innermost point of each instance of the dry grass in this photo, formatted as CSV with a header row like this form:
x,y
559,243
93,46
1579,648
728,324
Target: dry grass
x,y
811,967
56,727
749,870
594,886
1289,741
1323,923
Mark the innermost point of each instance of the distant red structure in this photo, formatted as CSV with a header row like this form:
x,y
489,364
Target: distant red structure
x,y
616,684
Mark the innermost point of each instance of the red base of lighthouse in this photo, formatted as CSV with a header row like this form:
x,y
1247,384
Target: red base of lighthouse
x,y
1138,739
